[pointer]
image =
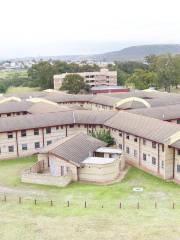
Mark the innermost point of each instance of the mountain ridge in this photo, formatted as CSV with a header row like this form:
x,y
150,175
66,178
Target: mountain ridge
x,y
137,53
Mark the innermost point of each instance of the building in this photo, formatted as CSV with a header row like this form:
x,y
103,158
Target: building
x,y
76,158
148,136
148,143
109,89
103,77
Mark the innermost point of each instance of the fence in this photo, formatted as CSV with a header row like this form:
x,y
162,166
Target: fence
x,y
7,198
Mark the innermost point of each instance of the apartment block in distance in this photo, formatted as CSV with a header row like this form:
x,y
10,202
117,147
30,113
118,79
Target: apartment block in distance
x,y
103,77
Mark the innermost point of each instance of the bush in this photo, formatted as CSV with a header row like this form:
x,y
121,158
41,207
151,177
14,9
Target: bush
x,y
104,136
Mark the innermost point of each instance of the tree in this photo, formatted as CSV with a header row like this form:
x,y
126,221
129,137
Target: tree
x,y
73,83
176,61
166,71
121,77
142,79
3,87
104,136
130,66
41,75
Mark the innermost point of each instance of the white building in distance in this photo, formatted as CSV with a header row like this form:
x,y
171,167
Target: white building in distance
x,y
104,77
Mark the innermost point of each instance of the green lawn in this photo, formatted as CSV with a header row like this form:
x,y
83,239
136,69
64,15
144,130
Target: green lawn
x,y
27,221
21,89
4,74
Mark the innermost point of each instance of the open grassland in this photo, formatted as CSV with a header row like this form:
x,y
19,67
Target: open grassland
x,y
43,221
5,74
21,89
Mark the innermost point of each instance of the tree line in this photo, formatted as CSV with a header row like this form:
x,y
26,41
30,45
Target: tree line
x,y
41,74
156,71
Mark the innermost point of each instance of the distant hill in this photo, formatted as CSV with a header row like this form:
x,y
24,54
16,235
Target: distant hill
x,y
137,53
134,53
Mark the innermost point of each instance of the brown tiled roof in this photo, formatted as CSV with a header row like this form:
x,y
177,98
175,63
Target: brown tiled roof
x,y
63,97
27,94
104,100
14,107
145,127
76,148
92,117
164,113
35,121
41,107
53,119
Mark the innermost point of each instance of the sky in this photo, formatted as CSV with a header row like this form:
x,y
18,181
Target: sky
x,y
68,27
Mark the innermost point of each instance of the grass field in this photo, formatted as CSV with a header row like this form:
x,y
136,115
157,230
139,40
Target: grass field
x,y
4,74
21,89
27,221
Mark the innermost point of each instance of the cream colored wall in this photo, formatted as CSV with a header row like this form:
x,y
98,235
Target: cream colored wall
x,y
45,179
43,157
99,107
30,139
168,163
177,162
99,173
4,143
55,135
60,162
140,148
92,78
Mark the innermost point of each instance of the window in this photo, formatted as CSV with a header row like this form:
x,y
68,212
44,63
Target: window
x,y
127,136
71,126
153,144
162,148
120,146
61,127
162,164
36,131
79,125
178,121
10,135
48,130
144,141
11,148
178,168
9,114
24,147
23,133
178,152
144,156
57,127
49,142
153,161
120,134
135,139
37,145
127,150
135,153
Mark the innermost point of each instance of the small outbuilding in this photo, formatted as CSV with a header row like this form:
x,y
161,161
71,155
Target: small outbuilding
x,y
76,158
